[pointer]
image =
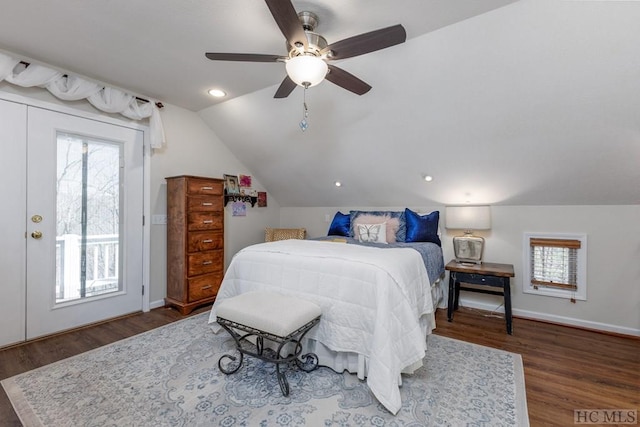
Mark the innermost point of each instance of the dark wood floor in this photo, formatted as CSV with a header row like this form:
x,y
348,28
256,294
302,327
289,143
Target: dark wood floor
x,y
565,368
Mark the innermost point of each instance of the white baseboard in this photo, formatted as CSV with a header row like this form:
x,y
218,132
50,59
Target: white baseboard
x,y
156,304
569,321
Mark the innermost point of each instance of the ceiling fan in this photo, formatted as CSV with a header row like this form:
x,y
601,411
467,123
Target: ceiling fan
x,y
309,53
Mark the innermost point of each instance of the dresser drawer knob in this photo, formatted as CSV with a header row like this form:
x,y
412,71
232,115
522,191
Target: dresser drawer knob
x,y
207,262
207,221
207,188
206,287
207,204
207,241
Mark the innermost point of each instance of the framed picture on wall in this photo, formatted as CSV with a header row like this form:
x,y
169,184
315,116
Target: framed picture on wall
x,y
245,181
239,209
231,185
262,199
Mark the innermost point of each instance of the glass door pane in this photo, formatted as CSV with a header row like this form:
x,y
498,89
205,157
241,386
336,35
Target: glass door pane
x,y
88,206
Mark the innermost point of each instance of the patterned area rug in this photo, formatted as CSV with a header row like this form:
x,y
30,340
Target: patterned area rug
x,y
169,377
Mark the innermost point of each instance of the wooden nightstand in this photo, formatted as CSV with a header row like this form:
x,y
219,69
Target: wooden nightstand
x,y
477,278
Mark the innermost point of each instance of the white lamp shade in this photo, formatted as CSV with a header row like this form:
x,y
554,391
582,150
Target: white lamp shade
x,y
306,70
468,217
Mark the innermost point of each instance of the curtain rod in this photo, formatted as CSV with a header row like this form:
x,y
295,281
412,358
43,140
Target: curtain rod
x,y
158,104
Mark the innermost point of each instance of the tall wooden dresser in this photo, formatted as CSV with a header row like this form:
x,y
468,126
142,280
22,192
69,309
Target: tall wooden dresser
x,y
195,241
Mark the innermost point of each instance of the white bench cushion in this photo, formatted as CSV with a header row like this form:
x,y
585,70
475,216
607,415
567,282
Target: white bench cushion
x,y
268,311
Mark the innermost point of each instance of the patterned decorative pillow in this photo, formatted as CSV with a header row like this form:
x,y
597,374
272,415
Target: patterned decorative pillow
x,y
422,228
399,233
391,224
340,226
372,233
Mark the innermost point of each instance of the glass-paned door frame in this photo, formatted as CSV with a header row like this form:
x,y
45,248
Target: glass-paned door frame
x,y
84,111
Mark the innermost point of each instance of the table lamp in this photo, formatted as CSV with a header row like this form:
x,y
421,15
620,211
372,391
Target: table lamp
x,y
468,248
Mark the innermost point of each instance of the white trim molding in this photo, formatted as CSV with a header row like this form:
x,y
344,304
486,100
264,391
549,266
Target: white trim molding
x,y
552,318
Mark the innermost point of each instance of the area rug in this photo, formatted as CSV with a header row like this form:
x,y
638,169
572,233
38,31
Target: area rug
x,y
169,377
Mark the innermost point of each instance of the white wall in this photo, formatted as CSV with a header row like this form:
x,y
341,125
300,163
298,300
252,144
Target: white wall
x,y
192,148
613,269
613,272
613,231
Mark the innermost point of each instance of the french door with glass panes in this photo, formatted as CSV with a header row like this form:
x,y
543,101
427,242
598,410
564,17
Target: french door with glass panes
x,y
83,246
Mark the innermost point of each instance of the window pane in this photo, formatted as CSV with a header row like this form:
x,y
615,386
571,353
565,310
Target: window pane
x,y
88,218
554,264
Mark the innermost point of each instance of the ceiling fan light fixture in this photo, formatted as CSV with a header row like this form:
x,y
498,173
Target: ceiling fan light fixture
x,y
306,70
308,52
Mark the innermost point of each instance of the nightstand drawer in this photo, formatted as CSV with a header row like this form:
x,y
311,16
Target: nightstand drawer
x,y
478,279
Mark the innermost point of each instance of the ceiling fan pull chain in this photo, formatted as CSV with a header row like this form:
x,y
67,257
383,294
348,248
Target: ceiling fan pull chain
x,y
304,124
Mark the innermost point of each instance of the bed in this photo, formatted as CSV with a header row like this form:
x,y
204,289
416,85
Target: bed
x,y
378,300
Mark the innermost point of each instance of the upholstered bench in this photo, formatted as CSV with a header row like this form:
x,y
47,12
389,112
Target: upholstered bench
x,y
260,316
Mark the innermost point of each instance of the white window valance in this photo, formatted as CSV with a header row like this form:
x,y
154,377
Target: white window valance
x,y
72,88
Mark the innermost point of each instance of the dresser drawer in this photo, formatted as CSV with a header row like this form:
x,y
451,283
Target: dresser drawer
x,y
204,286
199,241
204,221
204,262
204,186
479,279
204,203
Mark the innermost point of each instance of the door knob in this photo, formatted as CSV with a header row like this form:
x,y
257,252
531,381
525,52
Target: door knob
x,y
36,234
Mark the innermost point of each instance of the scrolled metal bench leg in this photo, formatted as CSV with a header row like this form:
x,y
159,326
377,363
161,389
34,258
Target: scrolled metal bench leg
x,y
282,380
310,362
280,359
231,366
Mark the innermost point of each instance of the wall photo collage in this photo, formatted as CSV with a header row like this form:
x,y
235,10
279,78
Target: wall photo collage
x,y
238,190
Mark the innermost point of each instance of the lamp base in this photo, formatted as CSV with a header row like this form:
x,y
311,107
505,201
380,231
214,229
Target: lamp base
x,y
468,249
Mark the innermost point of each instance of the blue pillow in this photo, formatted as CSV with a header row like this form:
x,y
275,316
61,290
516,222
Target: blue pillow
x,y
340,225
422,228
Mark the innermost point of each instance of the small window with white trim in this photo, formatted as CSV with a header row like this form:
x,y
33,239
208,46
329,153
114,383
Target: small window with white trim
x,y
555,265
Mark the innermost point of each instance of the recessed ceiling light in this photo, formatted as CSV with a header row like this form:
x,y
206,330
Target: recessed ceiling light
x,y
428,178
218,93
338,184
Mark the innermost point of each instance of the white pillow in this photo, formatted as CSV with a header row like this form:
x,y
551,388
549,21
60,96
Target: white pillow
x,y
372,233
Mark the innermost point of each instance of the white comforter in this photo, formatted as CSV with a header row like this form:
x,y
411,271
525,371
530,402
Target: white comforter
x,y
375,302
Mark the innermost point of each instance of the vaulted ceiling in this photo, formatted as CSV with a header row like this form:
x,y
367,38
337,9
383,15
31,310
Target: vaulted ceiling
x,y
530,102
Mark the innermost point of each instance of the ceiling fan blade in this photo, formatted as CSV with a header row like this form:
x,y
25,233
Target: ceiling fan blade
x,y
347,80
286,87
287,19
248,57
367,42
